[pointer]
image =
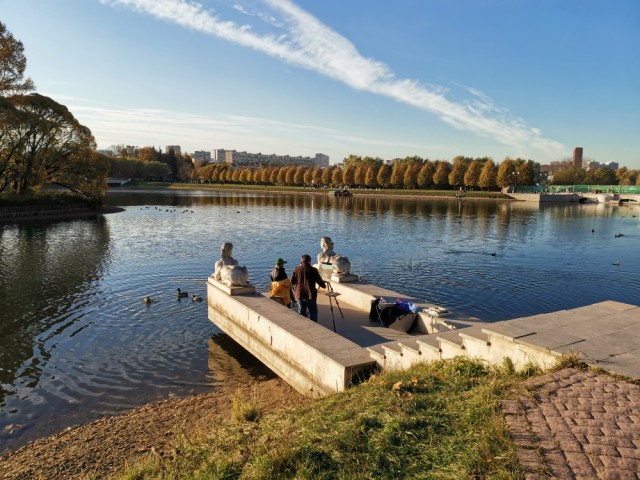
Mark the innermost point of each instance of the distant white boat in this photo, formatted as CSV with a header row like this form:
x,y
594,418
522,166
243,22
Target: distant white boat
x,y
604,198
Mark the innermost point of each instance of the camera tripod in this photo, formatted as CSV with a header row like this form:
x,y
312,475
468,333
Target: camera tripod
x,y
333,296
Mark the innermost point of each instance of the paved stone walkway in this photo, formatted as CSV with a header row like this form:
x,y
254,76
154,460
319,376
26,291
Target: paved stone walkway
x,y
575,424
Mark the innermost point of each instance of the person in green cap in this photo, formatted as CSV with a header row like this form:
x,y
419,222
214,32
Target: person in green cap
x,y
280,284
278,272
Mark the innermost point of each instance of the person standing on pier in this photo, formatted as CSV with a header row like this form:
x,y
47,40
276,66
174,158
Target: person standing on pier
x,y
303,280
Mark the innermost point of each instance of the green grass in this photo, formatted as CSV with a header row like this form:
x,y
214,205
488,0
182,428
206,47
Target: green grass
x,y
439,421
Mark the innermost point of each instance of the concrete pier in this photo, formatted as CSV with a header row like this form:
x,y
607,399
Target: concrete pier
x,y
317,361
313,359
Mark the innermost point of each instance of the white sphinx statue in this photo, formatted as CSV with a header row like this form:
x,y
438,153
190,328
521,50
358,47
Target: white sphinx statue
x,y
227,271
234,276
341,265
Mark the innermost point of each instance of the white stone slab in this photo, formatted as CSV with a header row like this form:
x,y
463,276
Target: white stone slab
x,y
233,290
350,278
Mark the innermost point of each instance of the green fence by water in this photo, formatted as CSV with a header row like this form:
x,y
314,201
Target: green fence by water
x,y
629,189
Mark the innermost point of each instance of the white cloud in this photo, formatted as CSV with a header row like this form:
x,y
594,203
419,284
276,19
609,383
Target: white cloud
x,y
308,43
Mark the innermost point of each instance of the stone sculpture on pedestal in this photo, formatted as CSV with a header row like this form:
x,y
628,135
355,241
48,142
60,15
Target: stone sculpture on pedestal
x,y
341,265
227,271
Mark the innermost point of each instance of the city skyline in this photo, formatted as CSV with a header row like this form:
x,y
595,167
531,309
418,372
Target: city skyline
x,y
500,78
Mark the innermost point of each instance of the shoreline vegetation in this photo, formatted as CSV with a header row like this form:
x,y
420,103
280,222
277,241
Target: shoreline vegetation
x,y
438,420
53,204
387,192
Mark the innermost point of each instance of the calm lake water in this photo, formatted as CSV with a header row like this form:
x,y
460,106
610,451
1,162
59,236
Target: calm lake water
x,y
77,342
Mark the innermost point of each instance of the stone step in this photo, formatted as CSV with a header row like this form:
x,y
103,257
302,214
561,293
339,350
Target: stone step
x,y
393,359
429,346
411,353
476,342
377,353
450,344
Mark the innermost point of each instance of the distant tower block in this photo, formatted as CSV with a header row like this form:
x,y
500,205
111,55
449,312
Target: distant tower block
x,y
577,157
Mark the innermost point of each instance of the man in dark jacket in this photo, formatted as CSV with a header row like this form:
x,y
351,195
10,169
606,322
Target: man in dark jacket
x,y
304,279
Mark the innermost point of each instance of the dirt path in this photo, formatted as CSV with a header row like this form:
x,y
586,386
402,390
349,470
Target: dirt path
x,y
101,448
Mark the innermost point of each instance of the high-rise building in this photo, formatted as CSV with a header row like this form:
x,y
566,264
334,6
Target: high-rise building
x,y
322,160
255,160
176,149
219,155
200,157
577,157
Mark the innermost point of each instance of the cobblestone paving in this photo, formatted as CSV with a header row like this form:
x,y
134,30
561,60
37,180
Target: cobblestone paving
x,y
576,424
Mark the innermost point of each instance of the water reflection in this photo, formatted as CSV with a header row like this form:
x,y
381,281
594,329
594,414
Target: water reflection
x,y
77,342
230,364
45,273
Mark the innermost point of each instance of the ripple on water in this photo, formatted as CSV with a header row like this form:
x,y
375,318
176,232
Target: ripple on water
x,y
85,345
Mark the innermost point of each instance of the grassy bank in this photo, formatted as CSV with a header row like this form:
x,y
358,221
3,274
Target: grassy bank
x,y
440,420
48,198
322,191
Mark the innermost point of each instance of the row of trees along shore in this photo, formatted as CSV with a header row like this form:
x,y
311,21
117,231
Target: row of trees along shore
x,y
414,173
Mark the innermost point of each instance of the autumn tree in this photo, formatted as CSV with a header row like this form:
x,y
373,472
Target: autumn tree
x,y
425,175
316,177
370,177
488,175
308,176
148,154
526,173
290,176
348,174
397,174
569,176
624,176
274,175
441,175
245,175
456,175
298,175
336,176
410,178
48,145
12,65
265,172
384,176
506,173
600,176
11,143
472,175
327,173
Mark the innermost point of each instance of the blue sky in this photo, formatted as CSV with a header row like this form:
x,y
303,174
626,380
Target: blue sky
x,y
434,78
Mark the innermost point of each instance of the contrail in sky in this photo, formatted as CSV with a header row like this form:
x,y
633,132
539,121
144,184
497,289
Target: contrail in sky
x,y
308,43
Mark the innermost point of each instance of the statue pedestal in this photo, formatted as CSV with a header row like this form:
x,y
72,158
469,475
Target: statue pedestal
x,y
349,278
232,290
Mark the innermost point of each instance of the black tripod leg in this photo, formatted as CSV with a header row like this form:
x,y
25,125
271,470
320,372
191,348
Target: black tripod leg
x,y
333,318
338,305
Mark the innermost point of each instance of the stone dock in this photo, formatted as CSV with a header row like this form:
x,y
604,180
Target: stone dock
x,y
317,361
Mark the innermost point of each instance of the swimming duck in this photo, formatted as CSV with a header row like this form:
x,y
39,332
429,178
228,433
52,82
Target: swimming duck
x,y
147,299
196,299
616,263
182,294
